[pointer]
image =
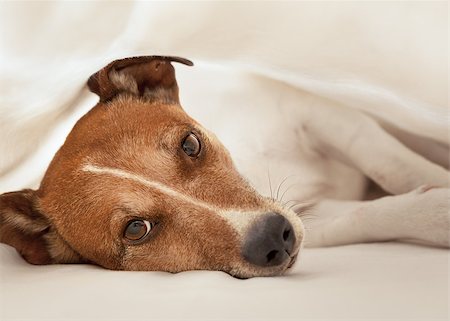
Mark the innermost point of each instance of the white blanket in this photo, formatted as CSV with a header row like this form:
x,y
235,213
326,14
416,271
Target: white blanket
x,y
386,58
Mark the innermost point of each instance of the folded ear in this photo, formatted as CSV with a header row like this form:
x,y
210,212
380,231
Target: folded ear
x,y
151,77
26,229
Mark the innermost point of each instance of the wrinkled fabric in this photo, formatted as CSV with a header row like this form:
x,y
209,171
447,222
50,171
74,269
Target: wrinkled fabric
x,y
386,58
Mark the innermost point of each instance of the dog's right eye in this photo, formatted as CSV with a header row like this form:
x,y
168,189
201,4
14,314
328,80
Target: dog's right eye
x,y
137,230
191,145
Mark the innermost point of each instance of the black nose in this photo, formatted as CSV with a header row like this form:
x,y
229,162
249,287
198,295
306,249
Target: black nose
x,y
270,241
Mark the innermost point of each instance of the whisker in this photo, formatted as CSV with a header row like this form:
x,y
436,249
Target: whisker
x,y
270,183
293,200
306,206
287,202
308,217
286,190
297,204
281,184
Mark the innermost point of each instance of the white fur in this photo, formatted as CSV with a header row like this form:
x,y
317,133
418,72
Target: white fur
x,y
322,150
149,183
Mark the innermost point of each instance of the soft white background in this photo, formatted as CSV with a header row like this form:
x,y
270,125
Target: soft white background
x,y
387,58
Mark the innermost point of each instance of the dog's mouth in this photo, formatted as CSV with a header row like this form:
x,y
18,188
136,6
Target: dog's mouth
x,y
277,272
293,260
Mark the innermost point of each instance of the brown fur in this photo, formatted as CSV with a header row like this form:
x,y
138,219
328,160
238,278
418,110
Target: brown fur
x,y
137,126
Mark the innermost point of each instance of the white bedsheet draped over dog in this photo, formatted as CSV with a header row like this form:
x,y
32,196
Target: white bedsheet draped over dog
x,y
389,58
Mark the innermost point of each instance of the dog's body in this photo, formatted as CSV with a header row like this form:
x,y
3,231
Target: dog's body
x,y
125,163
316,151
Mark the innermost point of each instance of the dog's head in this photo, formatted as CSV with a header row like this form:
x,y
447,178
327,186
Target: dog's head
x,y
139,185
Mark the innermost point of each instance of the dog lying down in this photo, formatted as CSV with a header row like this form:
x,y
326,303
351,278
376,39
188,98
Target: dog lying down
x,y
139,185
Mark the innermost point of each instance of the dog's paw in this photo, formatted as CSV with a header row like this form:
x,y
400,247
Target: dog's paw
x,y
330,230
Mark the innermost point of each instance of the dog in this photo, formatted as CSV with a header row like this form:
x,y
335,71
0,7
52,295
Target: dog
x,y
140,185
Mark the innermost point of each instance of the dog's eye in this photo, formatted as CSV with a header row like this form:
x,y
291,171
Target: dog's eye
x,y
191,145
138,229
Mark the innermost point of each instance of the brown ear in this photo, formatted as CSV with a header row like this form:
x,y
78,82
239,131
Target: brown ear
x,y
23,227
151,77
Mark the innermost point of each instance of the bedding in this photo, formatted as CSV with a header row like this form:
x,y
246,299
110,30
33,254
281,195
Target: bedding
x,y
389,59
363,282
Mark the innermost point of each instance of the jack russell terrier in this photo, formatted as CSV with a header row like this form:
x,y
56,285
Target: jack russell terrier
x,y
140,185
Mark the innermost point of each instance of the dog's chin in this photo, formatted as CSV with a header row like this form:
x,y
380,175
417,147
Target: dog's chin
x,y
247,272
264,272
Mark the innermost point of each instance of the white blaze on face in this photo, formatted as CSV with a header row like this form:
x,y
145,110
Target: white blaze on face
x,y
240,220
152,184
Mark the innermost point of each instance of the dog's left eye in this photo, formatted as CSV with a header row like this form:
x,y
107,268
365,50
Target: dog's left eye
x,y
137,230
191,145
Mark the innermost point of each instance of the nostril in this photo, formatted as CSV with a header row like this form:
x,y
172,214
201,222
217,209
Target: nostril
x,y
271,255
286,234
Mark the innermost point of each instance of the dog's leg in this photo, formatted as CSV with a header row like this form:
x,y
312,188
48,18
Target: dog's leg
x,y
358,140
420,216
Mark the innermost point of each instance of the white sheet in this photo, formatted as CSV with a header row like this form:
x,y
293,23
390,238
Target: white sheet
x,y
389,58
386,57
368,281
